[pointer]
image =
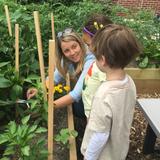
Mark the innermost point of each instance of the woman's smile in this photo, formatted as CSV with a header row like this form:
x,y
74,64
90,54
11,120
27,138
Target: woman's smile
x,y
72,50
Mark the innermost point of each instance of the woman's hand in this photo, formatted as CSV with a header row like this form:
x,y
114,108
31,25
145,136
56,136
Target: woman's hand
x,y
31,92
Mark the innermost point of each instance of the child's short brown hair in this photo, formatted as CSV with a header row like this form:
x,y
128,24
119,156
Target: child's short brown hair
x,y
117,44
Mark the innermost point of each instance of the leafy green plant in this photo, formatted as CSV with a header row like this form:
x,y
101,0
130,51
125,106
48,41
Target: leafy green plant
x,y
38,105
147,30
19,140
64,136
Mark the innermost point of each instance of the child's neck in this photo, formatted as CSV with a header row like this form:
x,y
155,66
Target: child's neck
x,y
115,74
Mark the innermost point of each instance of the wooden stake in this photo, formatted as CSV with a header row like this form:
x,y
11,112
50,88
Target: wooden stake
x,y
72,151
8,20
40,51
52,26
50,98
17,47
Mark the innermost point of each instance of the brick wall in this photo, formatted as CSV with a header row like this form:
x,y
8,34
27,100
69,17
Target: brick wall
x,y
153,4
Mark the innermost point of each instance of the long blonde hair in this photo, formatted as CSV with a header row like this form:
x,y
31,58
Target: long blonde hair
x,y
62,63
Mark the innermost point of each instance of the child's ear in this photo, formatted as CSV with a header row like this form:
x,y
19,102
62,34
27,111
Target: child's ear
x,y
103,60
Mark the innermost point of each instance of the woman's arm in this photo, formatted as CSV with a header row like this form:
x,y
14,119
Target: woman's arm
x,y
76,93
31,92
63,101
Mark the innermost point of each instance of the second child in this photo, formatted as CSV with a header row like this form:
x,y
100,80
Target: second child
x,y
107,133
94,76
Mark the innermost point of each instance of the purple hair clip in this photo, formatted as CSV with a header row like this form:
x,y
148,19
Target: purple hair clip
x,y
87,31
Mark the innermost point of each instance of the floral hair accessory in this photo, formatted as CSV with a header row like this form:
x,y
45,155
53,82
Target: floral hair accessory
x,y
101,26
96,25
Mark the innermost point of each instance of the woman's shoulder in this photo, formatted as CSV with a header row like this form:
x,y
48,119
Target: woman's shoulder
x,y
89,56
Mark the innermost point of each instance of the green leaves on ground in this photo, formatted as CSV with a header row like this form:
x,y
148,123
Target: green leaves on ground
x,y
18,139
64,136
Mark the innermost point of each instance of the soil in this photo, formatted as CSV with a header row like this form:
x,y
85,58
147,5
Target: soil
x,y
137,136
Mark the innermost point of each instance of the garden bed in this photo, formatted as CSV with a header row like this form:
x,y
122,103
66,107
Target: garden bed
x,y
146,80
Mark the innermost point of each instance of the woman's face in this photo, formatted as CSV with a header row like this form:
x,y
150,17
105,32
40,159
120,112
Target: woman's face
x,y
72,50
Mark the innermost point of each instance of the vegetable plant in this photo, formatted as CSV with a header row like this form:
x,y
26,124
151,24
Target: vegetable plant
x,y
18,139
64,135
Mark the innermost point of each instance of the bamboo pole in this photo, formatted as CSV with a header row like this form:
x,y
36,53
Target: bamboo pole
x,y
52,26
40,51
17,47
50,98
8,20
72,151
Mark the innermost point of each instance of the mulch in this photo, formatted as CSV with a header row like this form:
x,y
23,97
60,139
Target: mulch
x,y
138,132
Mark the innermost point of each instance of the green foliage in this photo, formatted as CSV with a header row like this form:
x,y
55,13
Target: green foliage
x,y
64,136
38,106
64,16
12,83
66,2
10,79
75,15
19,140
147,30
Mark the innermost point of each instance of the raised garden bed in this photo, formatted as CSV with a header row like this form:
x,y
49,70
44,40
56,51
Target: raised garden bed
x,y
146,80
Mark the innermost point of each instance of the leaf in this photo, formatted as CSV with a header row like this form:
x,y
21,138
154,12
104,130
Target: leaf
x,y
33,103
74,133
144,63
32,77
16,92
4,158
5,103
3,64
57,138
3,139
12,127
41,130
19,131
5,83
25,150
32,128
24,130
64,131
25,119
9,151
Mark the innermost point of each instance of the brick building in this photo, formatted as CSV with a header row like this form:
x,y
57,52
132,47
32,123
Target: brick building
x,y
153,4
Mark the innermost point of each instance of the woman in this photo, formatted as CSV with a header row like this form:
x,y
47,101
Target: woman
x,y
72,57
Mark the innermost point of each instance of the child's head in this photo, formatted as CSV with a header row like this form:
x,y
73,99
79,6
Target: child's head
x,y
117,44
92,25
